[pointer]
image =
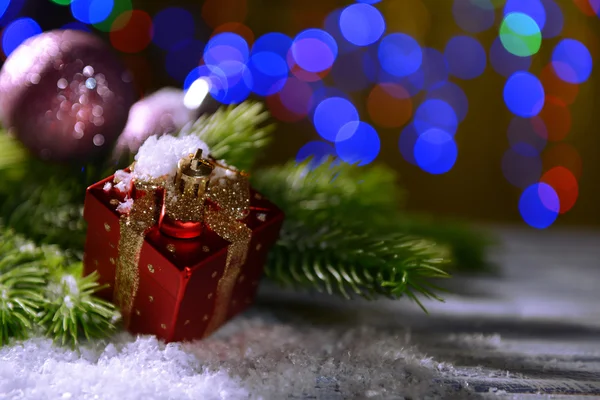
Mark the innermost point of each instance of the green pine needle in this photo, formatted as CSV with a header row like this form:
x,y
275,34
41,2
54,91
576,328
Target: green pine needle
x,y
333,191
73,312
336,259
236,134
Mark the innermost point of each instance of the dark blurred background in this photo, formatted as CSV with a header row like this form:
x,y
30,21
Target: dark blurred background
x,y
477,186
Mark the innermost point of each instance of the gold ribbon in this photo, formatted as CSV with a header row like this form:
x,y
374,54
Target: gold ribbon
x,y
232,196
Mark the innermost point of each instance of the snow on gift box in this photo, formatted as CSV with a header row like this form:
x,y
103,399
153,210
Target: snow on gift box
x,y
181,240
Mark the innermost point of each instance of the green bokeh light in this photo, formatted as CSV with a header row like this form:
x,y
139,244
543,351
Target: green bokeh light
x,y
120,7
62,2
520,35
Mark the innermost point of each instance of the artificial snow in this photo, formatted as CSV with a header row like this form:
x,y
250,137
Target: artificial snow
x,y
107,187
125,207
290,345
158,157
123,181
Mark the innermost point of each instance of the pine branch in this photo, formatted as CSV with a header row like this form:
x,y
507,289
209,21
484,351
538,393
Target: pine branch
x,y
332,191
344,261
72,311
236,134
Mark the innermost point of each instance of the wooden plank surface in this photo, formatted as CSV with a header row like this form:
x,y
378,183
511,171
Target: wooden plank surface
x,y
532,331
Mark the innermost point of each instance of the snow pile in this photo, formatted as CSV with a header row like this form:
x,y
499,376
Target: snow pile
x,y
158,157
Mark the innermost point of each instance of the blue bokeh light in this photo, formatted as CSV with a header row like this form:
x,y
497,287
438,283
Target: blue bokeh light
x,y
269,71
554,19
17,32
238,86
12,11
368,1
332,26
524,94
452,94
171,26
3,7
375,73
434,68
317,151
522,165
216,78
274,42
77,26
91,11
474,16
183,58
331,115
352,78
357,142
229,51
406,143
435,151
435,113
534,8
506,63
539,205
530,131
572,61
314,50
466,57
399,54
361,24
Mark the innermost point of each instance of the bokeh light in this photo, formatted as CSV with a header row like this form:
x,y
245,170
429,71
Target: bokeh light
x,y
331,115
269,71
524,94
133,31
520,35
557,118
3,7
522,165
297,97
506,63
389,105
11,11
539,205
556,87
17,32
554,19
361,24
357,143
314,50
91,11
453,95
565,155
317,151
564,183
532,8
434,68
530,131
119,10
473,16
237,28
466,57
332,25
399,54
173,25
229,52
435,151
406,143
572,61
274,42
184,57
435,113
239,83
216,79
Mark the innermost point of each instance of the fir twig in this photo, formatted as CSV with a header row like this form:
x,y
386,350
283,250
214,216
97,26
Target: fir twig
x,y
73,311
338,260
236,134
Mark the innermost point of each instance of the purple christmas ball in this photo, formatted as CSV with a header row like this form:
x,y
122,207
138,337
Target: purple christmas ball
x,y
65,95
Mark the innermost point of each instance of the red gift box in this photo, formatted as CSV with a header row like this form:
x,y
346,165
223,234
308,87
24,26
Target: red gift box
x,y
179,279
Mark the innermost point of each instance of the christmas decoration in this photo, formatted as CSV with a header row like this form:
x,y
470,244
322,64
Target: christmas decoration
x,y
181,239
163,112
65,95
344,230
